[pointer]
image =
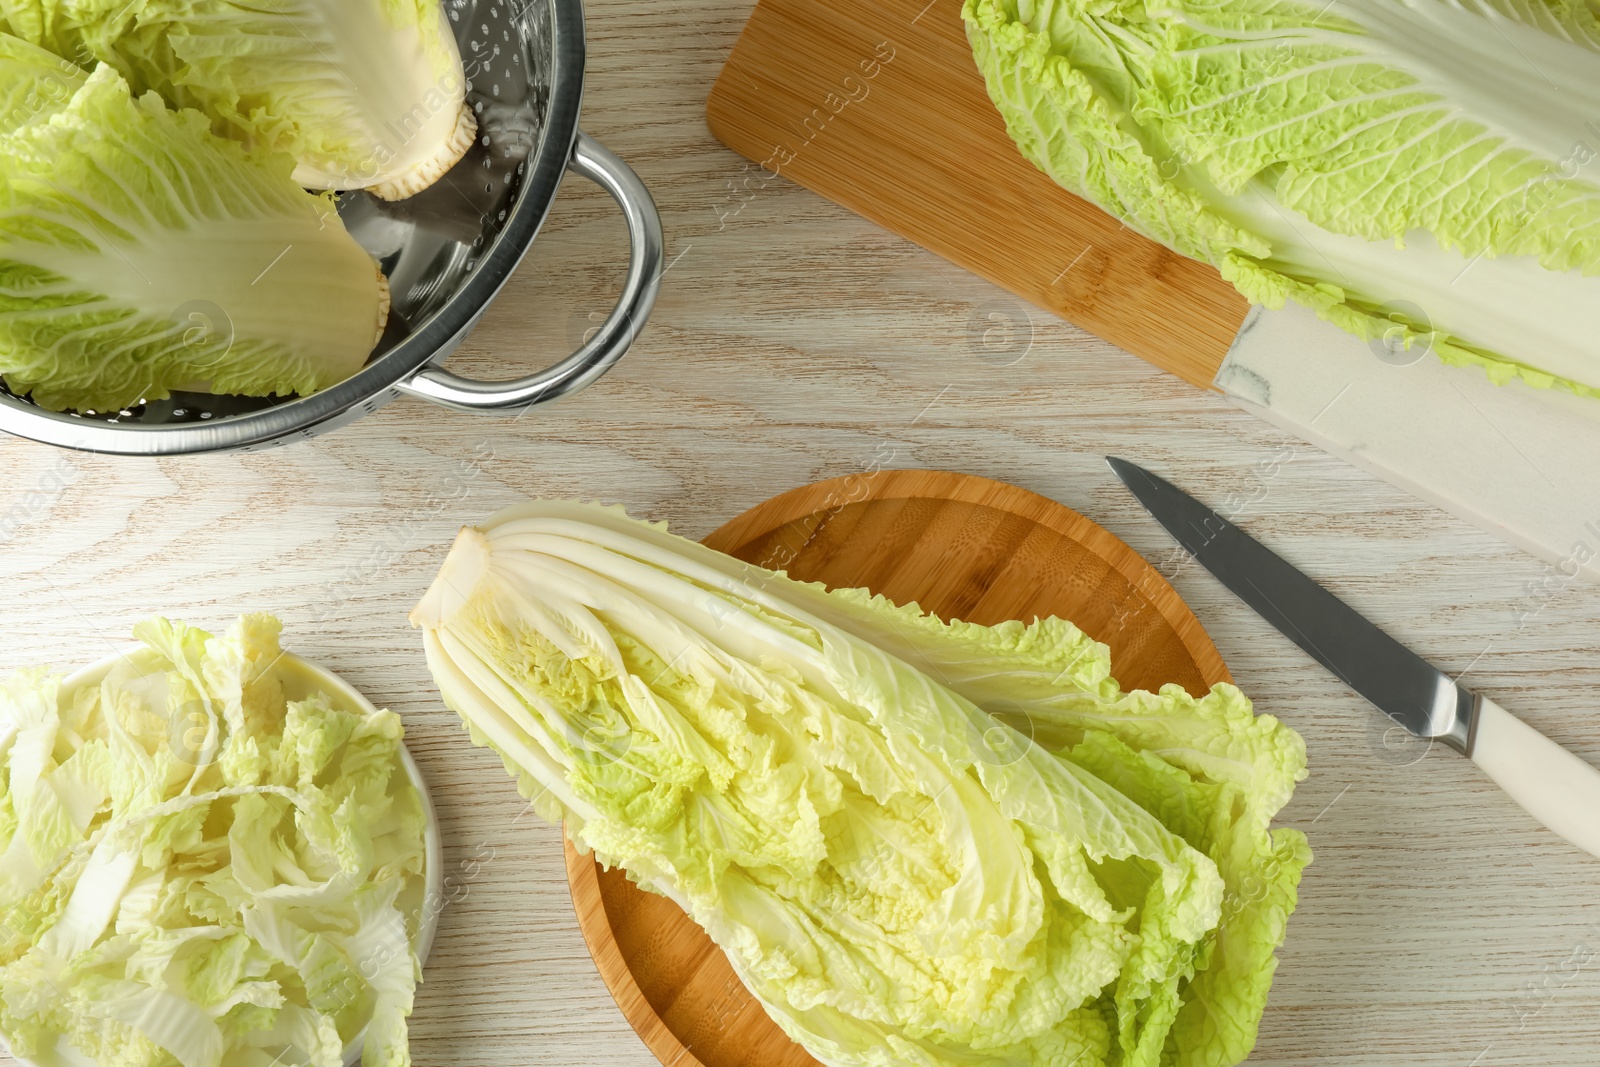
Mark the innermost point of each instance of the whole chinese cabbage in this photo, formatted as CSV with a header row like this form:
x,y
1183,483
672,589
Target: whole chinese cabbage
x,y
816,777
196,870
362,93
140,254
1416,169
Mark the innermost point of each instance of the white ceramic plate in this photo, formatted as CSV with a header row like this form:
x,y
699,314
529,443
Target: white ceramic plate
x,y
301,678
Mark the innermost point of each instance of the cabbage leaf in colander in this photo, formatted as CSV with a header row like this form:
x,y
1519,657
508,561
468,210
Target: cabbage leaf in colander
x,y
140,254
364,94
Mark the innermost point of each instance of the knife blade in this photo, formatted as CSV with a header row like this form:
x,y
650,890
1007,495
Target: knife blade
x,y
1554,785
1515,461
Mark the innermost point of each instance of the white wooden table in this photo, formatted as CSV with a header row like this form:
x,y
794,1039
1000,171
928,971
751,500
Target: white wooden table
x,y
1439,925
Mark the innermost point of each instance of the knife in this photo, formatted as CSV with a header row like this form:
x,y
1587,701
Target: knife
x,y
1552,784
1514,460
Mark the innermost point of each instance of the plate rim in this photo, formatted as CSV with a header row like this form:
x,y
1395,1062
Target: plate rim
x,y
780,510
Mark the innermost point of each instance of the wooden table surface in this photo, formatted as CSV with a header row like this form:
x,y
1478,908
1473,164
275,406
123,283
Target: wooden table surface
x,y
1439,925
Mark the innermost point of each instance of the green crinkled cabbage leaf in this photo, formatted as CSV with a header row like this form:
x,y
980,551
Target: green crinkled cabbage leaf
x,y
896,874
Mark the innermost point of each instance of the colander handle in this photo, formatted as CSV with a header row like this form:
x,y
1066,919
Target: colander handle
x,y
594,161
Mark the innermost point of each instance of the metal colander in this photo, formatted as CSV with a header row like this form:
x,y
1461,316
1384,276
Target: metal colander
x,y
447,251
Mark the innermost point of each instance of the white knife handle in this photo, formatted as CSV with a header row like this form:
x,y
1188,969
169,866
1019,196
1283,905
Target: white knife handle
x,y
1553,785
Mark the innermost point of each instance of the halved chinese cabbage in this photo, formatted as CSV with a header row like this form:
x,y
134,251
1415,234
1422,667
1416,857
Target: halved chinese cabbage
x,y
141,254
1418,170
364,94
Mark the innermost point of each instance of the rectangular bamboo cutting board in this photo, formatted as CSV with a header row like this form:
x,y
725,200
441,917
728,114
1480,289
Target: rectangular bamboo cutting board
x,y
878,106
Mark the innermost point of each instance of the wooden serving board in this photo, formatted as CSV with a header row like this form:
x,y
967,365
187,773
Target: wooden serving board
x,y
962,547
879,106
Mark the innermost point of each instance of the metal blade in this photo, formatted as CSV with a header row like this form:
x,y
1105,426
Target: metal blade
x,y
1406,687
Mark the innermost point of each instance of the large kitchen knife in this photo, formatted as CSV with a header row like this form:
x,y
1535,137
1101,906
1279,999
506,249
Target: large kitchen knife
x,y
1515,460
1555,786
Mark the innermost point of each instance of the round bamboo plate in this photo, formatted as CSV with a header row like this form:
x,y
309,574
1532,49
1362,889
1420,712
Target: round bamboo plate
x,y
962,547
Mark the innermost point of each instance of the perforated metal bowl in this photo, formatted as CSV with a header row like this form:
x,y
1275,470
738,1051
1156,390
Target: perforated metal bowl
x,y
447,252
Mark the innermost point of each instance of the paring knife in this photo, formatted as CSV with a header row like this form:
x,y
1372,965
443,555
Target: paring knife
x,y
1555,786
